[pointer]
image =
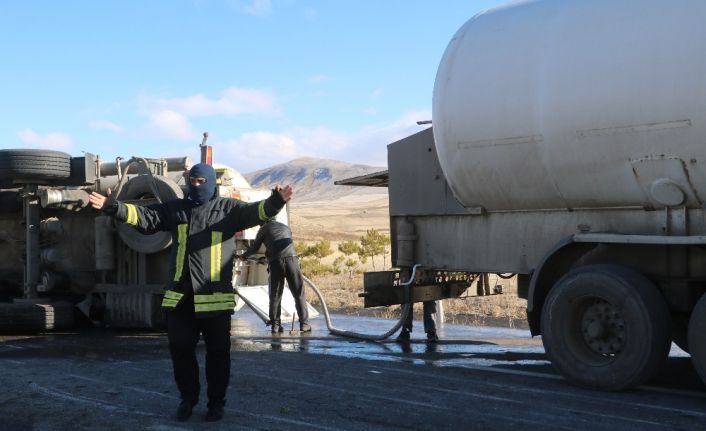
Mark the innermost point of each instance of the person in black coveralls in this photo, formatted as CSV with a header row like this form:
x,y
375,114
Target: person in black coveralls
x,y
199,297
283,264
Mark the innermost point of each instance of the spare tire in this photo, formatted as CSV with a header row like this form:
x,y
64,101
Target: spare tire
x,y
34,165
136,189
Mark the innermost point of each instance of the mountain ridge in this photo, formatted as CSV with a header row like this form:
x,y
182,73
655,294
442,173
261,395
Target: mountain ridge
x,y
313,179
322,210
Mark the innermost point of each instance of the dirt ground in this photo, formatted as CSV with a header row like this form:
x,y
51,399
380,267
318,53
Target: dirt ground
x,y
474,379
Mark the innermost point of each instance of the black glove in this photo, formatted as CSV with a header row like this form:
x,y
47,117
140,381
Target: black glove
x,y
277,200
110,207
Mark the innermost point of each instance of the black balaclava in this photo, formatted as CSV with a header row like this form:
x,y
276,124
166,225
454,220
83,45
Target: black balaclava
x,y
203,193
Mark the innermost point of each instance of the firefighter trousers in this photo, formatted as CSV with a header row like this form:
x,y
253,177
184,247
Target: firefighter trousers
x,y
183,329
281,269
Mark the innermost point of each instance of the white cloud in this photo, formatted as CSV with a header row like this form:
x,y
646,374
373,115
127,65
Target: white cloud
x,y
50,141
252,151
252,7
105,125
233,101
375,93
171,125
256,149
369,144
171,117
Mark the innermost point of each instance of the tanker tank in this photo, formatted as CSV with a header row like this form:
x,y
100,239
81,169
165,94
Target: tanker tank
x,y
563,104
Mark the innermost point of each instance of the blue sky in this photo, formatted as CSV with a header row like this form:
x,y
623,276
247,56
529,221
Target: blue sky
x,y
270,80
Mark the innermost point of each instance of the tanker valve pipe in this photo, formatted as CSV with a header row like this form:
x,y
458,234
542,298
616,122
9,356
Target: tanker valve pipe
x,y
72,200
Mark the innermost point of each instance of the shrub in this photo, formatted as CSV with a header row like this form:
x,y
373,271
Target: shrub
x,y
312,268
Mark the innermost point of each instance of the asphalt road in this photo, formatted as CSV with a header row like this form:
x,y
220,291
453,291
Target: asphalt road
x,y
501,380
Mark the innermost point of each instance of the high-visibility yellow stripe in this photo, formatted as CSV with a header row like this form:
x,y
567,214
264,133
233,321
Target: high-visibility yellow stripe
x,y
213,297
131,215
216,238
169,303
171,299
173,295
261,211
134,215
182,231
214,302
215,306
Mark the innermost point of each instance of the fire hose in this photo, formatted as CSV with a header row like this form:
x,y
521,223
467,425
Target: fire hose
x,y
406,309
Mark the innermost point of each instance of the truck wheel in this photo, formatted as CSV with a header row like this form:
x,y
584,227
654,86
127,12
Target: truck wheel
x,y
136,189
606,327
28,317
34,165
697,337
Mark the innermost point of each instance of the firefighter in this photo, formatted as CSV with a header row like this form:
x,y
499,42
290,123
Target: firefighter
x,y
199,297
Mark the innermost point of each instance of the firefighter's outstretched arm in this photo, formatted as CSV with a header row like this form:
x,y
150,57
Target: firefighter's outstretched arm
x,y
246,215
146,219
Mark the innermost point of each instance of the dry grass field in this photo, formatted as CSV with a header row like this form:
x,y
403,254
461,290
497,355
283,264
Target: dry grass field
x,y
339,219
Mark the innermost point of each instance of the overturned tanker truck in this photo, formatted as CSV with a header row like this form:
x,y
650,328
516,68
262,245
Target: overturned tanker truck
x,y
568,146
60,258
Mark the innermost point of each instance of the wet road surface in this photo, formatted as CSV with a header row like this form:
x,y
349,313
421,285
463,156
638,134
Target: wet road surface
x,y
475,378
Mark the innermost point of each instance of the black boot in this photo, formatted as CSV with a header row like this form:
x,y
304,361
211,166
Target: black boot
x,y
277,327
215,411
184,410
404,336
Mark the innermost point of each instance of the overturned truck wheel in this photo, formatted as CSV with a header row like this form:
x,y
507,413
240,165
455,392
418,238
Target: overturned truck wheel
x,y
606,327
34,165
140,188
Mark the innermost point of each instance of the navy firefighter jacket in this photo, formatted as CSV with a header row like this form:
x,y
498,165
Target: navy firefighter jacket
x,y
203,247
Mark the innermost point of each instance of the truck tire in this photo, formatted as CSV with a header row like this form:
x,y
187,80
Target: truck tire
x,y
136,189
31,318
34,165
606,327
697,337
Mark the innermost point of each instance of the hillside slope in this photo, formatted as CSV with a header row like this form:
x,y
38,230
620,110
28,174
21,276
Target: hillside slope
x,y
320,208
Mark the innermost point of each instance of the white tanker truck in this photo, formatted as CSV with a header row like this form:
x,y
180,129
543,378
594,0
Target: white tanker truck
x,y
568,147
